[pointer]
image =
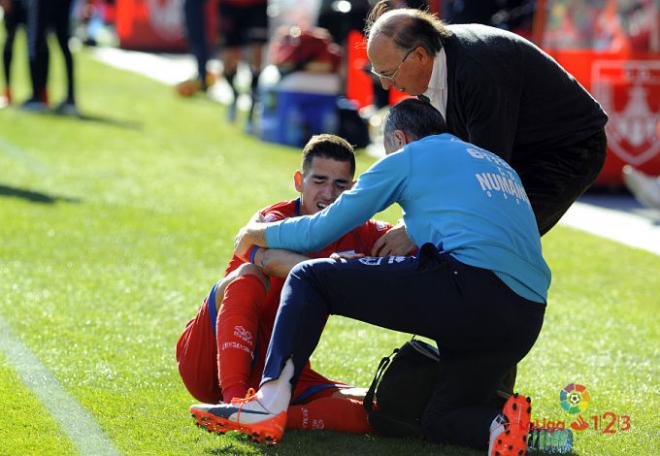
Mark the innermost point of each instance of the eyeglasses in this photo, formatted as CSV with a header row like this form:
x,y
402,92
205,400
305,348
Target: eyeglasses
x,y
393,76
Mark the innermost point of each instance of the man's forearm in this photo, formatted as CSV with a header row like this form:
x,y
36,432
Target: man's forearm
x,y
277,262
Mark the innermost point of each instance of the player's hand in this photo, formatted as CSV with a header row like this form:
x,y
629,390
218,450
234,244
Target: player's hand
x,y
251,234
395,242
243,243
346,256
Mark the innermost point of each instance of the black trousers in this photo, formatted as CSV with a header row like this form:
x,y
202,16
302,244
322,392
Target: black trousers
x,y
194,15
43,15
481,327
555,178
17,16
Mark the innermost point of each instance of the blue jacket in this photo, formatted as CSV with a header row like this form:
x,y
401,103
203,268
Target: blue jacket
x,y
467,201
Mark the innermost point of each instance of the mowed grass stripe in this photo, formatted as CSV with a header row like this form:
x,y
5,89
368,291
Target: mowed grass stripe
x,y
74,420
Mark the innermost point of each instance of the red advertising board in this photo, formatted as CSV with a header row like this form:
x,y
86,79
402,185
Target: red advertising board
x,y
629,90
157,25
615,54
359,83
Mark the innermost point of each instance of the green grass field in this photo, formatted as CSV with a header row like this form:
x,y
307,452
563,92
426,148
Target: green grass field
x,y
113,229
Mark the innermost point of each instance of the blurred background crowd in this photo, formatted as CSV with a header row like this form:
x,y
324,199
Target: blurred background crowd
x,y
297,68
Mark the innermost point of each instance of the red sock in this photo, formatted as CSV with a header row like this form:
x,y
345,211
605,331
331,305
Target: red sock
x,y
329,413
43,95
236,329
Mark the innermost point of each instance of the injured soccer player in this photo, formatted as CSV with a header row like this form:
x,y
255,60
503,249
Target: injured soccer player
x,y
222,352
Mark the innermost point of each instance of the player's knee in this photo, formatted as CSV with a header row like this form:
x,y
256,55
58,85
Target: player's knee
x,y
310,269
301,271
248,269
309,274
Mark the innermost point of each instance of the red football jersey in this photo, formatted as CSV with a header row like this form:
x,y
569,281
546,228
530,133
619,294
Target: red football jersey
x,y
360,240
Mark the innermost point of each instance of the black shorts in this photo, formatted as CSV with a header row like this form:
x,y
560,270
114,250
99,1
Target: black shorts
x,y
241,25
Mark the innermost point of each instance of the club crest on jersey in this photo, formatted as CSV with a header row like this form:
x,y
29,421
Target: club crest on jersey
x,y
270,218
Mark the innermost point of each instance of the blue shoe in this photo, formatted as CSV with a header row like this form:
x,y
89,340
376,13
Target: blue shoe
x,y
34,105
67,108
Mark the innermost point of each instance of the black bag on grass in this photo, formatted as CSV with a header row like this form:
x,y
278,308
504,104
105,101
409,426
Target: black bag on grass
x,y
401,389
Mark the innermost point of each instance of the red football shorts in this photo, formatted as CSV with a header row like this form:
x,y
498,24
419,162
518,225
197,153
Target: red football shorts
x,y
196,355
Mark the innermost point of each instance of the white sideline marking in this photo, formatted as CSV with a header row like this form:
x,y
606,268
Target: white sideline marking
x,y
19,154
73,419
171,69
168,71
619,226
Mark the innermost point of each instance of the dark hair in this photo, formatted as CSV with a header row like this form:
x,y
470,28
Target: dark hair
x,y
415,117
328,146
407,27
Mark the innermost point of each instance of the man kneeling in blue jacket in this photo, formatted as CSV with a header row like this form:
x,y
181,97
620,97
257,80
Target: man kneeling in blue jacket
x,y
478,286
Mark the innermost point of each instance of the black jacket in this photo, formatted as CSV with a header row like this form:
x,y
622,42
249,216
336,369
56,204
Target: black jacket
x,y
511,98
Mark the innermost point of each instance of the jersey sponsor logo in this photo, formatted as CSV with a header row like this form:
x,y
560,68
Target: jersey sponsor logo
x,y
485,155
371,261
395,259
505,180
377,261
243,334
506,185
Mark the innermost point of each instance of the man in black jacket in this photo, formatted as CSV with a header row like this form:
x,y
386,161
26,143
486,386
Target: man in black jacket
x,y
500,92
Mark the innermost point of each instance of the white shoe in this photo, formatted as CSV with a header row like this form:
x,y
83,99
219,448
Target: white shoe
x,y
645,188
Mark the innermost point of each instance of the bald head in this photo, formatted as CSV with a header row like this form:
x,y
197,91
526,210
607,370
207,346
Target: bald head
x,y
402,44
390,24
407,27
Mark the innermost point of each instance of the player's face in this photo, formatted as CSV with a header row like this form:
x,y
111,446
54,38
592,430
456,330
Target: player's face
x,y
322,184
